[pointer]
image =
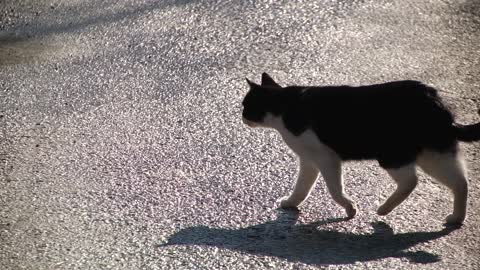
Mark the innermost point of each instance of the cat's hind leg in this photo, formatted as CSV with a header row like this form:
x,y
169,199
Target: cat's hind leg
x,y
331,170
448,168
306,178
406,179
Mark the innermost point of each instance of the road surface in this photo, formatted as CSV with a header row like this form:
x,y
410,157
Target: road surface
x,y
122,145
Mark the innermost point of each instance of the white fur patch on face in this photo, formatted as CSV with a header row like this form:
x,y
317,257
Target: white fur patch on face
x,y
269,121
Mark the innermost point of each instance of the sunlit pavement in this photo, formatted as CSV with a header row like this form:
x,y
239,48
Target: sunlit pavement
x,y
122,145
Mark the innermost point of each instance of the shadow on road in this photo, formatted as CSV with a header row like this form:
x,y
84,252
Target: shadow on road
x,y
14,49
106,15
21,42
306,243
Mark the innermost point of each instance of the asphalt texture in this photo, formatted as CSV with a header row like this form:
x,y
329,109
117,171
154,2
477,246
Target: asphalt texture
x,y
122,145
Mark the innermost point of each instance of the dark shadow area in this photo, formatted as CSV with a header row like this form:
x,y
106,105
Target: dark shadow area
x,y
25,42
15,49
108,16
472,7
308,244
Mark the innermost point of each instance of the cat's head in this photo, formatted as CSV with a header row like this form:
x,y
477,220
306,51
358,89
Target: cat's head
x,y
257,104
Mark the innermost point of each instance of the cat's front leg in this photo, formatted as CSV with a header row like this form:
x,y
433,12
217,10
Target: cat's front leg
x,y
306,178
331,169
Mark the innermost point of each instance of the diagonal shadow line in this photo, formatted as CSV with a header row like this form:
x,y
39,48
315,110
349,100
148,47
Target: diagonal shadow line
x,y
307,244
22,43
36,31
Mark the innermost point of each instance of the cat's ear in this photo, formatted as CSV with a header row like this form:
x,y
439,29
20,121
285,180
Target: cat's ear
x,y
268,81
252,84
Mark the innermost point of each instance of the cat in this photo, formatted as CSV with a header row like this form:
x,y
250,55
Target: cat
x,y
401,124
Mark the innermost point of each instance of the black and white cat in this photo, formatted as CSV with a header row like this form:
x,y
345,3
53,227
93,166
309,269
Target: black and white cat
x,y
400,124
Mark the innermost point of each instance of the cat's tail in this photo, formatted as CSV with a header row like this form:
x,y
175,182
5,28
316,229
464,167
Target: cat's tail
x,y
467,133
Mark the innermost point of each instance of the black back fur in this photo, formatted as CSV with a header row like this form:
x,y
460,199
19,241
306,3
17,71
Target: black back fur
x,y
390,122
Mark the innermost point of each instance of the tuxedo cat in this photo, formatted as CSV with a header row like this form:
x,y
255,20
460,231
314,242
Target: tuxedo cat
x,y
401,124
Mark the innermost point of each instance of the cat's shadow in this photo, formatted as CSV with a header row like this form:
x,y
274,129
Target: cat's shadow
x,y
310,244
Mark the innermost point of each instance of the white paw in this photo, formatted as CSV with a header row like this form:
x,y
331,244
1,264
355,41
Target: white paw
x,y
285,202
351,211
454,219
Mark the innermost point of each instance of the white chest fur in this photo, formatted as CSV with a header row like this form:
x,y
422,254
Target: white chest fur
x,y
306,145
314,157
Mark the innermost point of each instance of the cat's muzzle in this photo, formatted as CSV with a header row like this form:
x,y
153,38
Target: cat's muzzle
x,y
248,122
